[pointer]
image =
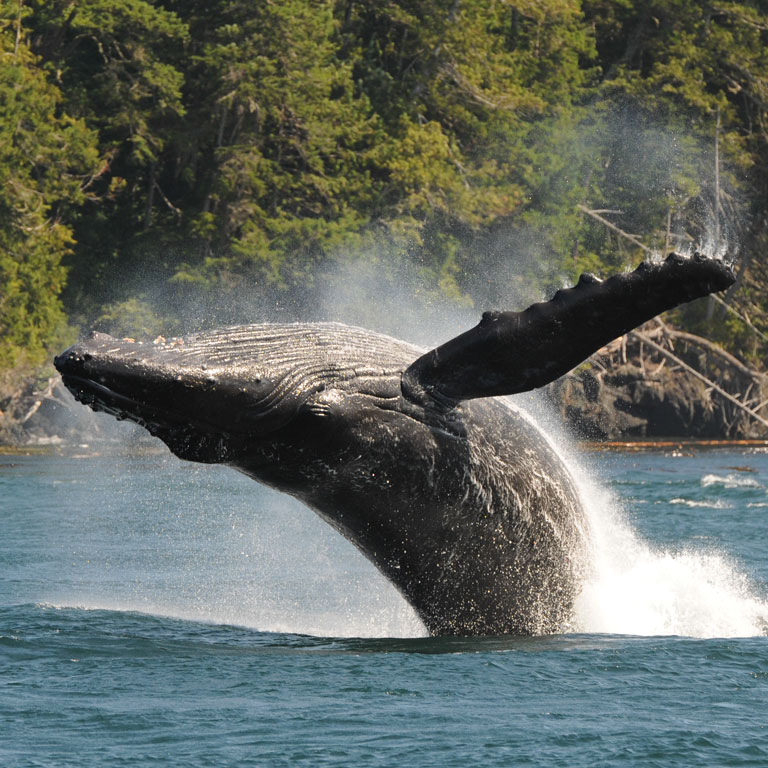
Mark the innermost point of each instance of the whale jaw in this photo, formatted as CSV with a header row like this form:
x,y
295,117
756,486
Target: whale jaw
x,y
200,416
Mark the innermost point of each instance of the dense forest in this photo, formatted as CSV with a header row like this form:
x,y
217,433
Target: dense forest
x,y
162,155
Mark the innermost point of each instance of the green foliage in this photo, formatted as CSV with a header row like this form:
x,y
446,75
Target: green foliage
x,y
115,64
701,70
45,159
133,318
467,94
162,154
287,146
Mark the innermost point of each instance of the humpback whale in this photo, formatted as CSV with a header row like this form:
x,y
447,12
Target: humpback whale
x,y
414,456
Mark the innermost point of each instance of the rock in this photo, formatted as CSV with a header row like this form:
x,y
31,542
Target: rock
x,y
48,415
630,400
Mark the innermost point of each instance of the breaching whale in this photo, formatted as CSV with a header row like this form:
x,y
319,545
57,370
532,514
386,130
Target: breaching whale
x,y
449,489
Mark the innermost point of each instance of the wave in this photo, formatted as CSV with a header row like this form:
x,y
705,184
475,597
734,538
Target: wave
x,y
273,616
730,481
704,504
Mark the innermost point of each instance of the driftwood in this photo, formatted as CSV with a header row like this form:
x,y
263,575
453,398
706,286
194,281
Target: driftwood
x,y
726,357
648,367
689,369
742,380
609,225
49,393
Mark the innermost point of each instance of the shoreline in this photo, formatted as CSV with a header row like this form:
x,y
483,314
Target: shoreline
x,y
662,445
665,444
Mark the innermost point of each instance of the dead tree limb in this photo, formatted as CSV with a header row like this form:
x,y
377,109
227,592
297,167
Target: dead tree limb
x,y
614,228
741,317
700,376
595,214
716,350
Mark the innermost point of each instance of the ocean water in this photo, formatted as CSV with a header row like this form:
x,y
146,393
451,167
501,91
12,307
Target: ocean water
x,y
154,612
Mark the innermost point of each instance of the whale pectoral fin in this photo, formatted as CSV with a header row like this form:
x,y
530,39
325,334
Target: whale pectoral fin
x,y
510,352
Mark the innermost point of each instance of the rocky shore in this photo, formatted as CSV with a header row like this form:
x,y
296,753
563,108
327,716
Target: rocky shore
x,y
652,383
657,382
41,413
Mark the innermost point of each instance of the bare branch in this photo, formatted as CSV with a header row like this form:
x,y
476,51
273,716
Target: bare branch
x,y
616,229
674,358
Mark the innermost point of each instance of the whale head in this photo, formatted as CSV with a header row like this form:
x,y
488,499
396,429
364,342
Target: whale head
x,y
213,396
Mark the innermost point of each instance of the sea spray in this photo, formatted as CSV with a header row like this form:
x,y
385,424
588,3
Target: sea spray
x,y
227,552
633,588
629,588
636,589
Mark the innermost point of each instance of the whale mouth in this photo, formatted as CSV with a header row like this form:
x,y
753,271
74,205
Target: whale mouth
x,y
100,397
105,400
187,438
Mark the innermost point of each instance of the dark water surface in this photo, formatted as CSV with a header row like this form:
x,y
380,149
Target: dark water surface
x,y
160,613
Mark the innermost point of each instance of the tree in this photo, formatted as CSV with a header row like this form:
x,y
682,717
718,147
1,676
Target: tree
x,y
285,146
47,163
700,69
246,148
114,62
471,95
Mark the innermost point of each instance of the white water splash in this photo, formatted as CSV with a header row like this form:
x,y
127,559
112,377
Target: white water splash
x,y
228,552
632,588
372,620
635,589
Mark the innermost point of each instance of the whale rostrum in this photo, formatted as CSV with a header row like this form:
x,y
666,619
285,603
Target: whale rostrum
x,y
450,490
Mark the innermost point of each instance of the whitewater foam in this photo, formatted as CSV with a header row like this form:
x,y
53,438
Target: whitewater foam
x,y
730,481
632,588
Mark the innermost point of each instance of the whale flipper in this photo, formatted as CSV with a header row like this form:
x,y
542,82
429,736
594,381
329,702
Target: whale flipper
x,y
511,352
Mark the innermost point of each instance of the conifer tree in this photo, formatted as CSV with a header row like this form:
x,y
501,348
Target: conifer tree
x,y
47,163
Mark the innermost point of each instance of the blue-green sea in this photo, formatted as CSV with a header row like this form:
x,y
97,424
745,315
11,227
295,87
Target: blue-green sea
x,y
154,612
